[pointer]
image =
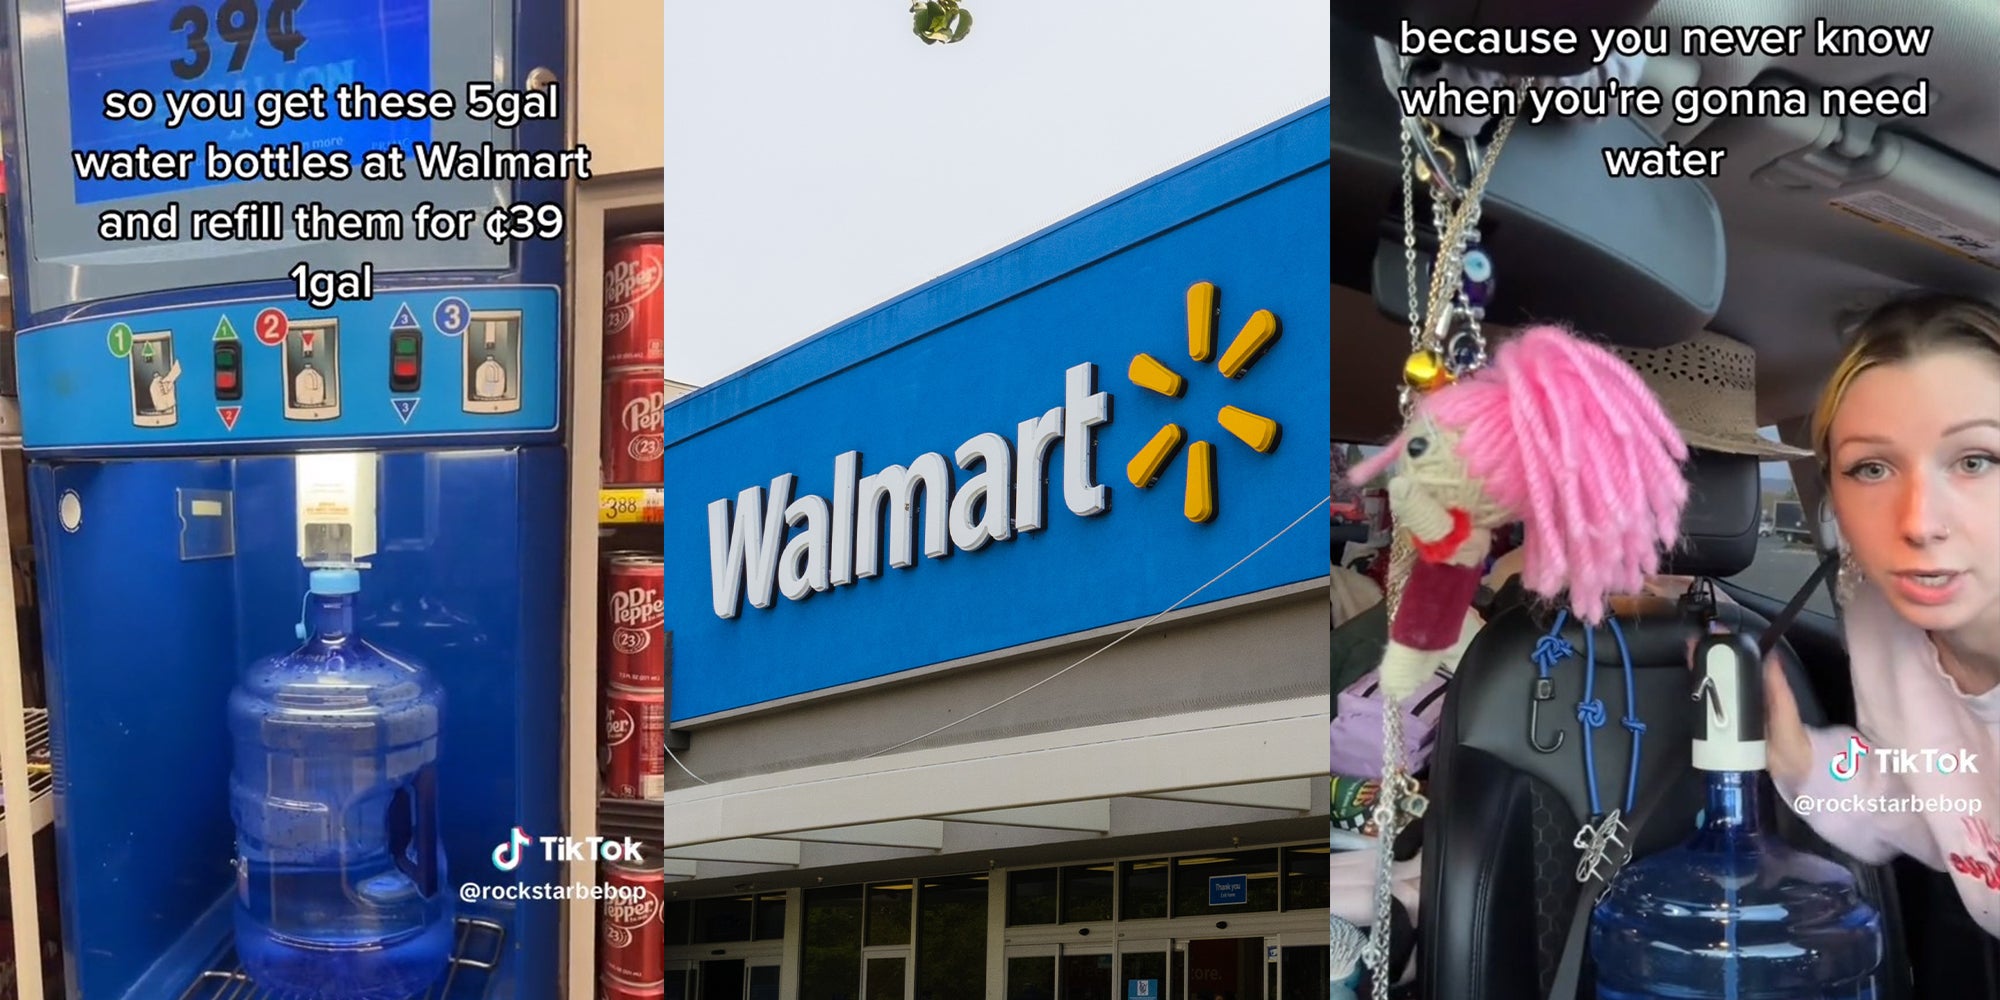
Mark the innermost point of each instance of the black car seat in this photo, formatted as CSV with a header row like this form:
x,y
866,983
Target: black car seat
x,y
1499,863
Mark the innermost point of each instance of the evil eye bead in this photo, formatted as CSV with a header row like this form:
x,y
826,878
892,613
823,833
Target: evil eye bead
x,y
1477,266
1477,283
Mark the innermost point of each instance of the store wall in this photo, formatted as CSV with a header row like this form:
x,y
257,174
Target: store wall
x,y
1016,388
1269,650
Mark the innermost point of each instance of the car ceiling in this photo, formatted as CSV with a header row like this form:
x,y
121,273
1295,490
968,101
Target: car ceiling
x,y
1796,263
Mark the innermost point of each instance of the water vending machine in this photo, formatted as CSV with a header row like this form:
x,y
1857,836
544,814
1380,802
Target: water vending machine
x,y
300,563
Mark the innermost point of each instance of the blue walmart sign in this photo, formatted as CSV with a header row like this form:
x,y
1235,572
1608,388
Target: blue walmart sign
x,y
1078,431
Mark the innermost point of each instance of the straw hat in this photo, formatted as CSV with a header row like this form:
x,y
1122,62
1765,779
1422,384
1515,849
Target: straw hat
x,y
1708,386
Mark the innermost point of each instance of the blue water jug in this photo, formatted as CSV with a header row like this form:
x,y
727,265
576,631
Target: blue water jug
x,y
1733,913
340,890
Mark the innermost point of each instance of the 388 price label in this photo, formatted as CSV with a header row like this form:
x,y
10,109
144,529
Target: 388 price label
x,y
524,222
235,24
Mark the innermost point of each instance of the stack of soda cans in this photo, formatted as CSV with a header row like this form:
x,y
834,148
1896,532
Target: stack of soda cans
x,y
635,388
635,642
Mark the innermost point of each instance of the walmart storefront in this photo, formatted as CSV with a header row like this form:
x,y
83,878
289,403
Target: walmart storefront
x,y
1006,676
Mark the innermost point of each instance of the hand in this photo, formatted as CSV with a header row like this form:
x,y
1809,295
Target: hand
x,y
162,389
1786,746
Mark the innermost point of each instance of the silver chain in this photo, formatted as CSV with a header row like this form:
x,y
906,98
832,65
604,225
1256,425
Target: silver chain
x,y
1399,798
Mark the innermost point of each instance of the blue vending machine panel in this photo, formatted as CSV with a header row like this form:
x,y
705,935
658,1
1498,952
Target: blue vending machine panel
x,y
384,44
438,364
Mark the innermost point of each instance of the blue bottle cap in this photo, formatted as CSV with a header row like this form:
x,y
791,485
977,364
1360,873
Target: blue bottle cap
x,y
335,581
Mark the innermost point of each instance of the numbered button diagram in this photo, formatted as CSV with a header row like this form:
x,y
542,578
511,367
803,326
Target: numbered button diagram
x,y
452,316
272,325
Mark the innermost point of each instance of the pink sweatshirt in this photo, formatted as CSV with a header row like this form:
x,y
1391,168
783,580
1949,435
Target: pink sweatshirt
x,y
1905,701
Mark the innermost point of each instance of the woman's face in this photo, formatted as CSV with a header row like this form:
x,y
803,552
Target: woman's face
x,y
1915,450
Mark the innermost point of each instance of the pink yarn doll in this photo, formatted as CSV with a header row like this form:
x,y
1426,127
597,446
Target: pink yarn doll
x,y
1556,433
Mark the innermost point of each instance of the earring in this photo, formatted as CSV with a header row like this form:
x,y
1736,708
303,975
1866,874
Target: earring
x,y
1849,579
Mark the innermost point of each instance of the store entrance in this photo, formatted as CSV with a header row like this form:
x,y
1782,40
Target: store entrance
x,y
1240,968
1224,969
722,979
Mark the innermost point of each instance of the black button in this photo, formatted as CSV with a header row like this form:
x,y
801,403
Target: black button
x,y
406,361
228,373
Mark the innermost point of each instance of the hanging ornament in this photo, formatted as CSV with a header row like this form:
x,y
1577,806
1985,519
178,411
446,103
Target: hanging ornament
x,y
1468,353
1477,286
1425,371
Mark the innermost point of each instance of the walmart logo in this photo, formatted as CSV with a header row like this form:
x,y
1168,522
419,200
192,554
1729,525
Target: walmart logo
x,y
771,540
1149,373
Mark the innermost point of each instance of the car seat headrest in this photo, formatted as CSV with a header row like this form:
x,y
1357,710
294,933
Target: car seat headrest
x,y
1724,509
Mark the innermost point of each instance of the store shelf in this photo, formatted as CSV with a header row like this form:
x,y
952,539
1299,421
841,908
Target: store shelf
x,y
41,781
635,818
631,506
473,959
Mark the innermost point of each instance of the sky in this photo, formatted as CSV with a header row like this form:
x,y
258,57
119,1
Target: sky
x,y
821,159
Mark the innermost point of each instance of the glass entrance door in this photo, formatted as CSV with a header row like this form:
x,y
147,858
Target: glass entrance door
x,y
1223,969
1307,972
1031,972
1087,974
1142,970
722,979
885,974
679,981
764,979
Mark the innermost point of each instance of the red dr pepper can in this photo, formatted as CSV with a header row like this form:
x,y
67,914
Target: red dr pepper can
x,y
635,403
632,928
615,989
634,304
635,744
635,622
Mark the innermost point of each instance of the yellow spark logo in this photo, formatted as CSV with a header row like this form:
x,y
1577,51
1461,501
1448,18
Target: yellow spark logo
x,y
1259,332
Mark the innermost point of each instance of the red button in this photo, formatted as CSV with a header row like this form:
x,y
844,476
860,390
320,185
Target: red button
x,y
405,368
225,380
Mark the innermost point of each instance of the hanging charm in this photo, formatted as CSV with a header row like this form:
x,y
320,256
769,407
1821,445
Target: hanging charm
x,y
1454,299
1604,849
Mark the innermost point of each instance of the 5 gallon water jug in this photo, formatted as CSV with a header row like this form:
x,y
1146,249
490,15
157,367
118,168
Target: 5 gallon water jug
x,y
340,889
1733,913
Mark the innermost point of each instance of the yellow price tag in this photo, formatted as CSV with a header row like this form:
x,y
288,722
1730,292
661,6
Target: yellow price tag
x,y
630,507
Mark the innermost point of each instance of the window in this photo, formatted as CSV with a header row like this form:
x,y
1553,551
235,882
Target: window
x,y
831,966
1145,893
1785,551
1086,893
951,936
718,921
1215,884
889,913
1031,897
1306,873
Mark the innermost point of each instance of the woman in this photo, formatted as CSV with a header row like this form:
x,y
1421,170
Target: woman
x,y
1908,437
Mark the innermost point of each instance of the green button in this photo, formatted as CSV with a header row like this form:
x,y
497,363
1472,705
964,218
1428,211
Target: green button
x,y
405,345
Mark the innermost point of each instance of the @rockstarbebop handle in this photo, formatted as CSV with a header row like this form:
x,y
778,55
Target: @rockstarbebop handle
x,y
1729,690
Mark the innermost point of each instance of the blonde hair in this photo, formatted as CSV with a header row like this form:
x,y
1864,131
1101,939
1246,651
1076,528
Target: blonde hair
x,y
1901,330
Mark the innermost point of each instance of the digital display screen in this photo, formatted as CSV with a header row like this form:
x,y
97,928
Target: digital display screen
x,y
240,46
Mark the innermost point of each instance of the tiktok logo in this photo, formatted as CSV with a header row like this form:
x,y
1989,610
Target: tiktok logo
x,y
1847,763
507,856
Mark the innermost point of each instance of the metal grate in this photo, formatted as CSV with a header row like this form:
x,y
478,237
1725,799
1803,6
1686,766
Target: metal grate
x,y
41,778
471,975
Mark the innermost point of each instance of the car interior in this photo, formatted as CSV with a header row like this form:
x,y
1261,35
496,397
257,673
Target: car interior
x,y
1807,219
